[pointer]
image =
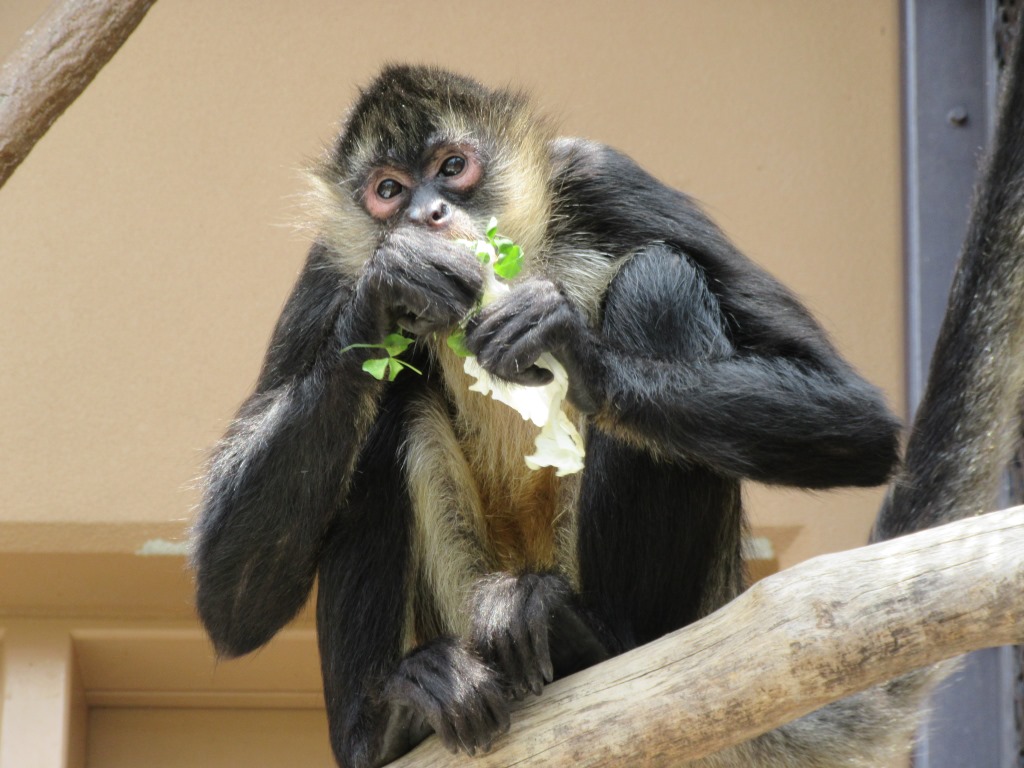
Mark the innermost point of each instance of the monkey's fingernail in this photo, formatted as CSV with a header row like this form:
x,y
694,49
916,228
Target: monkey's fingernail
x,y
548,670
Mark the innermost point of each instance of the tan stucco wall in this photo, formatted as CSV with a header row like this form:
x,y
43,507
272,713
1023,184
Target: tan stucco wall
x,y
145,246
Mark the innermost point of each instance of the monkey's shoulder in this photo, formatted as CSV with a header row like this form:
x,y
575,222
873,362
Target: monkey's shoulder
x,y
604,198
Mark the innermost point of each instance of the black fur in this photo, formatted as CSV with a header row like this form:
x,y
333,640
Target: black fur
x,y
773,401
369,545
701,370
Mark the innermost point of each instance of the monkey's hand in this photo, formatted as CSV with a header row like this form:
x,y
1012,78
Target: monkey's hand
x,y
535,317
421,284
513,621
451,689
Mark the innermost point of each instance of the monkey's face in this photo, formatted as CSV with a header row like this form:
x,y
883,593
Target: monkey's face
x,y
430,157
436,194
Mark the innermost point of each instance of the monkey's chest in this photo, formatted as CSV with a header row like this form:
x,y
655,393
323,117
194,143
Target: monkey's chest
x,y
519,516
517,508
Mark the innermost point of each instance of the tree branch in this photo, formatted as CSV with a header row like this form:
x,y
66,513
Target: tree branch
x,y
794,642
57,59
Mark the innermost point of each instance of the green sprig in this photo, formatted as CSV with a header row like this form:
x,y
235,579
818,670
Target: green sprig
x,y
457,343
504,257
390,366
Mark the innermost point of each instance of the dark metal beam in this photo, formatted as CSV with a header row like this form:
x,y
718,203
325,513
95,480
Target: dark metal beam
x,y
949,74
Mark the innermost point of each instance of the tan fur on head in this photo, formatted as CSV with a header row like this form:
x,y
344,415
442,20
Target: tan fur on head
x,y
517,175
519,171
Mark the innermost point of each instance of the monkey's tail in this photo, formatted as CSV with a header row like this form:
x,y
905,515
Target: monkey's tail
x,y
968,424
966,431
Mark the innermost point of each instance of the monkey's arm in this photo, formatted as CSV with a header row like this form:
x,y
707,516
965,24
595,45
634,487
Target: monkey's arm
x,y
772,402
778,405
277,477
769,398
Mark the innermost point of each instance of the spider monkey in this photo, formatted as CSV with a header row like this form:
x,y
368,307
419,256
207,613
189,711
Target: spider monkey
x,y
452,578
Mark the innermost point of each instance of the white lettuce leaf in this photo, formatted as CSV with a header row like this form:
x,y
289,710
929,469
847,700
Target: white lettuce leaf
x,y
559,444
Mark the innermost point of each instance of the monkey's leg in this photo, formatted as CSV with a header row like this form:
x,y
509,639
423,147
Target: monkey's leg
x,y
379,703
444,680
362,602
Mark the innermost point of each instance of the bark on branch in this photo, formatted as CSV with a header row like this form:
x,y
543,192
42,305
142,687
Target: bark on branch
x,y
794,642
57,59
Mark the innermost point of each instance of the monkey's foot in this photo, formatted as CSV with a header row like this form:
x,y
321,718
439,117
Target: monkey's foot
x,y
458,695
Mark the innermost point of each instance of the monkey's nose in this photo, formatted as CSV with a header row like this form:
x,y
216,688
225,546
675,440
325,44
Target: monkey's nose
x,y
436,214
440,214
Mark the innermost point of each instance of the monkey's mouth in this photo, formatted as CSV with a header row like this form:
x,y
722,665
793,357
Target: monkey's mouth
x,y
419,325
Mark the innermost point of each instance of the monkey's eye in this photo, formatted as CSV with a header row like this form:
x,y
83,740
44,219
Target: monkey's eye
x,y
389,188
453,166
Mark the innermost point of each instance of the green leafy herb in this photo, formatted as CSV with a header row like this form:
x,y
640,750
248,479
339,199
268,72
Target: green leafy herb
x,y
377,368
380,367
457,342
510,262
506,260
396,343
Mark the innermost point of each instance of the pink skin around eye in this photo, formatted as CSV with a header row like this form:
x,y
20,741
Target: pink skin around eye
x,y
385,207
470,174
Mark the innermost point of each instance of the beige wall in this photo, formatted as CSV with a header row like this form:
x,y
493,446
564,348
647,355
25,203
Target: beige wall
x,y
145,246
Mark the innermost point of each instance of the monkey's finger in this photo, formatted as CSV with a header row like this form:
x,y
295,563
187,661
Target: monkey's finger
x,y
534,677
504,324
462,275
497,705
444,728
516,365
530,679
421,325
466,737
534,376
486,730
472,724
510,662
418,693
503,639
435,301
538,618
501,354
523,645
490,713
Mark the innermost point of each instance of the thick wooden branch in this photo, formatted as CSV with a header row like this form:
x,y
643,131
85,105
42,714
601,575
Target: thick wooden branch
x,y
810,635
57,59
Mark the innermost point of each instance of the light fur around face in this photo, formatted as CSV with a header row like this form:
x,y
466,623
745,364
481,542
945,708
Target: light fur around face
x,y
332,215
516,142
